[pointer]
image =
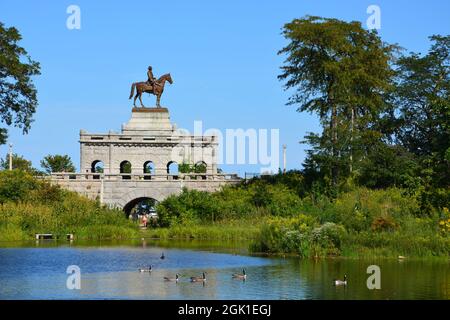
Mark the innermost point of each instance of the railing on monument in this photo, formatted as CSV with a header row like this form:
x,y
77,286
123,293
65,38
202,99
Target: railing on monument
x,y
145,176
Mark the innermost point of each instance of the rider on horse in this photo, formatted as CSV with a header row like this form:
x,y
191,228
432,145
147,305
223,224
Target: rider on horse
x,y
151,79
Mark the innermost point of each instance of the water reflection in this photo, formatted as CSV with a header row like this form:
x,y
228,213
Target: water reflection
x,y
111,271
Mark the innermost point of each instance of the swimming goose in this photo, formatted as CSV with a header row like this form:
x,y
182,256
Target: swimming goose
x,y
242,276
340,282
177,277
149,269
199,279
162,256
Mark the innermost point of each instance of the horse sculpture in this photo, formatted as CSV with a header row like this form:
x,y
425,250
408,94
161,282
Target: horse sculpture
x,y
157,89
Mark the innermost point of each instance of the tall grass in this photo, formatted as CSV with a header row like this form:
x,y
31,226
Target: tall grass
x,y
205,232
43,208
359,222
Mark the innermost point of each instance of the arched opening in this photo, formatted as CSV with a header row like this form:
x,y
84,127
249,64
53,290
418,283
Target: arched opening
x,y
142,207
172,170
97,166
149,169
200,167
125,168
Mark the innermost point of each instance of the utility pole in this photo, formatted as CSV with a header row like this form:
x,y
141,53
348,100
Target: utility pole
x,y
10,156
284,158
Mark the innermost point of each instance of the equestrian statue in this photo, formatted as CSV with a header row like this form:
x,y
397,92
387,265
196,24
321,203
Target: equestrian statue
x,y
152,86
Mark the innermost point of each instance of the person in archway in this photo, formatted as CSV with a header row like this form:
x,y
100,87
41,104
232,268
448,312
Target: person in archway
x,y
144,220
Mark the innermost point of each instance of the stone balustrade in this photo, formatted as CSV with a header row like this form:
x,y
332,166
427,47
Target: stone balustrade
x,y
143,176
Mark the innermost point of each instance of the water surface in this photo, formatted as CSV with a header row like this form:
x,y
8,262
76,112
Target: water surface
x,y
110,271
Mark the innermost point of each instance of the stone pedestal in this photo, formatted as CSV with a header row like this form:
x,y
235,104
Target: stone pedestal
x,y
148,121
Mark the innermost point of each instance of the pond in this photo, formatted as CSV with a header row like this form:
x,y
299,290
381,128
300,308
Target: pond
x,y
110,271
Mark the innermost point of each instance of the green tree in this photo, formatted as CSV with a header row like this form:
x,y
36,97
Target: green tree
x,y
387,166
341,72
18,99
100,169
19,163
15,185
57,163
423,100
185,167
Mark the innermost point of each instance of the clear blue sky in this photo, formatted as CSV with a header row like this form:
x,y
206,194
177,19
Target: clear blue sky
x,y
222,56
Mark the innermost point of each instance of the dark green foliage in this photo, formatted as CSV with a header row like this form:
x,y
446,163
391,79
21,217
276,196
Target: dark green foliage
x,y
386,166
16,185
423,126
254,199
261,196
386,121
18,98
184,167
29,205
125,167
19,163
57,163
341,72
190,168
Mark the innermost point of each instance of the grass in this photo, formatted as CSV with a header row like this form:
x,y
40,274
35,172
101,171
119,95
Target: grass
x,y
218,231
272,217
29,206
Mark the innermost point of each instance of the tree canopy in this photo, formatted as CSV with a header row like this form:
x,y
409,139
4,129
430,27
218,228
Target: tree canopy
x,y
57,163
18,95
341,72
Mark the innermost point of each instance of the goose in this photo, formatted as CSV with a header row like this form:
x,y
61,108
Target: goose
x,y
162,256
177,277
340,282
149,269
242,276
199,279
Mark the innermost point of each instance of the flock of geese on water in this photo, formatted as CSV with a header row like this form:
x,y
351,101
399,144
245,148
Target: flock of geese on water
x,y
239,276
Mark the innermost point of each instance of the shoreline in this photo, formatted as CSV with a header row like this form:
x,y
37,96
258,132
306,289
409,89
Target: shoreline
x,y
196,243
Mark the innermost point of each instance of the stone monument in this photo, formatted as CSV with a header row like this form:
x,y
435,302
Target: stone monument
x,y
148,137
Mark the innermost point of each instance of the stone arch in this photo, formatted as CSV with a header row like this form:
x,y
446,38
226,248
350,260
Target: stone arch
x,y
125,166
201,167
95,166
149,167
133,203
172,164
125,169
158,194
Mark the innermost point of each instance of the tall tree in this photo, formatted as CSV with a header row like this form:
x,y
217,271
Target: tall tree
x,y
57,163
423,101
18,99
341,72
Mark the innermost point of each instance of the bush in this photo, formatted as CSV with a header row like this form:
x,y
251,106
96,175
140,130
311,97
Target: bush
x,y
16,185
30,206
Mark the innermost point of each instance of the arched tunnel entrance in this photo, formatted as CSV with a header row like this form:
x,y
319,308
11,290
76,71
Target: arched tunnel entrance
x,y
140,207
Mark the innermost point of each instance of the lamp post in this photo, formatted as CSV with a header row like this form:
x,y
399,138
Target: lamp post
x,y
284,158
10,155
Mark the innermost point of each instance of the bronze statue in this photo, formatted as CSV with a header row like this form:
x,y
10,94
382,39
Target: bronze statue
x,y
151,79
152,85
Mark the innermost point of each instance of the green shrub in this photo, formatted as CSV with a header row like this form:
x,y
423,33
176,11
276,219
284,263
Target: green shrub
x,y
16,185
32,206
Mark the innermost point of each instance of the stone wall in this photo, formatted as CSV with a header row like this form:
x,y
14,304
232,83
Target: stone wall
x,y
118,191
147,137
